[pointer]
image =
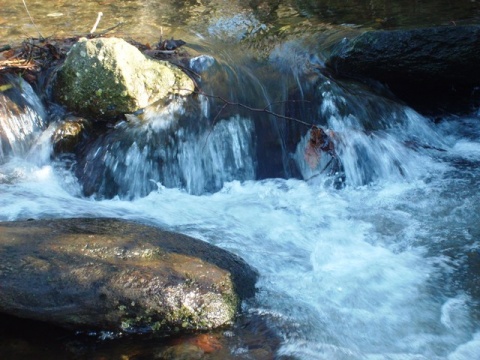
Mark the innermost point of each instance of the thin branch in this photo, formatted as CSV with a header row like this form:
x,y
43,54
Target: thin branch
x,y
213,123
265,109
33,22
108,30
282,102
230,103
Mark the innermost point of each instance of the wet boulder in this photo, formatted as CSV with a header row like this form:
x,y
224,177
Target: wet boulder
x,y
106,77
68,134
415,62
113,275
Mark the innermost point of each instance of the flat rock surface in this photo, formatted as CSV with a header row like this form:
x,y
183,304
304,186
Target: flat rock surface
x,y
116,275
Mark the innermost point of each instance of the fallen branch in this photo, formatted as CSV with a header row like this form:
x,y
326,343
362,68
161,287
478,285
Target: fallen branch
x,y
264,109
17,64
106,30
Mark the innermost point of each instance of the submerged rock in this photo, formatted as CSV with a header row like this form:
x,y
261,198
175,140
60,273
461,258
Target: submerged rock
x,y
107,274
108,77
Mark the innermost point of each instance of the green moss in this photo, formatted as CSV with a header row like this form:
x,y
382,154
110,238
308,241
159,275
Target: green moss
x,y
109,77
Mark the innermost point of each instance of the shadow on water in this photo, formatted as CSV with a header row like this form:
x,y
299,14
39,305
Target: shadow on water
x,y
29,340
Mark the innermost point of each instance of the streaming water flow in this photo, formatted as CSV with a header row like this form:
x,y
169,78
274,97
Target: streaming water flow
x,y
376,259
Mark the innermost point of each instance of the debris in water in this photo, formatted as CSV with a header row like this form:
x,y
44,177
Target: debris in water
x,y
319,142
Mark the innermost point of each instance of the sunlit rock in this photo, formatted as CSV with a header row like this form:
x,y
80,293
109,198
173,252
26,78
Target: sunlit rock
x,y
108,77
68,134
119,276
201,63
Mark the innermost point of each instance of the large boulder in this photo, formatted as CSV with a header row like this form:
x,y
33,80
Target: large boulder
x,y
413,63
439,54
108,77
107,274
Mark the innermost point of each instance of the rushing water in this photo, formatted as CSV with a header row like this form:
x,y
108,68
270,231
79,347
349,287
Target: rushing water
x,y
380,261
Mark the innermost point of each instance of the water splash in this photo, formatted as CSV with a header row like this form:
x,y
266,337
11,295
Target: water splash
x,y
130,161
22,118
375,138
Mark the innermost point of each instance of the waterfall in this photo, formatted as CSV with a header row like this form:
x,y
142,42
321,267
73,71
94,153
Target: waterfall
x,y
369,252
22,118
169,148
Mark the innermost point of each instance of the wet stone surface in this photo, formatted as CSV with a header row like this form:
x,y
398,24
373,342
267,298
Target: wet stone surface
x,y
118,276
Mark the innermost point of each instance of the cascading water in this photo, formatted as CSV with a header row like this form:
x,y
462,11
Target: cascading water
x,y
22,118
384,267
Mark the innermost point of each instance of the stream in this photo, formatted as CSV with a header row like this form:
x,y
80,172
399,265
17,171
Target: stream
x,y
377,260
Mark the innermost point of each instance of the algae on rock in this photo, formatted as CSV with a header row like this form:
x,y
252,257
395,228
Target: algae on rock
x,y
108,77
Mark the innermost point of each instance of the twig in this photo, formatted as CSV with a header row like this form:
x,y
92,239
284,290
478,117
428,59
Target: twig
x,y
108,30
159,52
99,16
31,19
213,123
230,103
265,109
16,64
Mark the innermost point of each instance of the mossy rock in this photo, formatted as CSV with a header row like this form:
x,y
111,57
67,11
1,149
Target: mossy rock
x,y
107,77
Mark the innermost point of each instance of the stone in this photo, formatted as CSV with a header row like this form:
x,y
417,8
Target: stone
x,y
440,63
436,54
201,63
68,134
120,276
107,77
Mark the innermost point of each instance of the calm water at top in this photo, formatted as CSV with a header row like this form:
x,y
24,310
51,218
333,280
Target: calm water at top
x,y
146,20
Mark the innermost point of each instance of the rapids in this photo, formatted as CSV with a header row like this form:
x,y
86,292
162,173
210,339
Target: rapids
x,y
378,260
385,267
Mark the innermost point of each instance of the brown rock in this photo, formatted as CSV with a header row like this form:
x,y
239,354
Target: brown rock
x,y
115,275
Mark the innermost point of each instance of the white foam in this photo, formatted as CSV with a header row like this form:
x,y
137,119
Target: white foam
x,y
343,274
468,351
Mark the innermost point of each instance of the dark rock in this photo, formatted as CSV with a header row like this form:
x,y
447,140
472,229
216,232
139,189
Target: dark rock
x,y
68,134
26,339
441,54
418,62
114,275
170,44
